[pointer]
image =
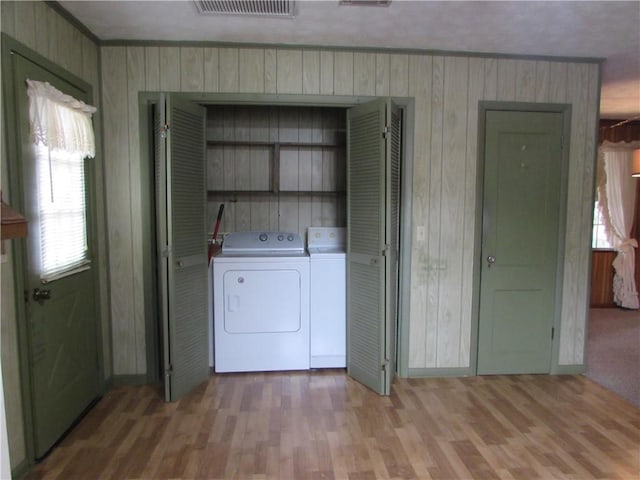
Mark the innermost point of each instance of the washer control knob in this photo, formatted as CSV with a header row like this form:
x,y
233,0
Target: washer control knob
x,y
263,237
280,237
290,237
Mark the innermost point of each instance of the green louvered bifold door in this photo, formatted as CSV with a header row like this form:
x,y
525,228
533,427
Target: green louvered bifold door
x,y
185,255
370,327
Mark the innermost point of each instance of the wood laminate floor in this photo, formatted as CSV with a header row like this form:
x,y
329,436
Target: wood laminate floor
x,y
323,425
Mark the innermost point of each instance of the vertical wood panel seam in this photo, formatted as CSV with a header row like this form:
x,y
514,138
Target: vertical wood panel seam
x,y
464,216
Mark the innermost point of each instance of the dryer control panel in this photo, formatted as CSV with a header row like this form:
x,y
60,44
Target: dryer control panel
x,y
260,243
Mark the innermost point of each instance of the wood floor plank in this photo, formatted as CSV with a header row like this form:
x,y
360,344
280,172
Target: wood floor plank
x,y
323,425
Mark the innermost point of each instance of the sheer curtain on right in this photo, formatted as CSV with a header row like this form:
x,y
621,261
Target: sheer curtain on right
x,y
620,191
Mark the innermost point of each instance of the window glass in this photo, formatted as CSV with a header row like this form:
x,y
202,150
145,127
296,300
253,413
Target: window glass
x,y
599,238
62,211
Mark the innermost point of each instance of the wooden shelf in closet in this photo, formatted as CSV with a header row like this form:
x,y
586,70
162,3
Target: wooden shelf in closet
x,y
233,143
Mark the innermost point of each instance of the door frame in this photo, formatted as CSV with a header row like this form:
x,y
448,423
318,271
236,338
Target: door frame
x,y
407,104
19,250
565,110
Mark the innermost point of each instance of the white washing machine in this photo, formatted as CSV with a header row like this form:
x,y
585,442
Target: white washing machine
x,y
261,303
327,257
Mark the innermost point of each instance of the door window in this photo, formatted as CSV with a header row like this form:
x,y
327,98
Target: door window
x,y
61,211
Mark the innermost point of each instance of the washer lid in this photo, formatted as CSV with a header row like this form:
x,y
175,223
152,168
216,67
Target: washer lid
x,y
260,243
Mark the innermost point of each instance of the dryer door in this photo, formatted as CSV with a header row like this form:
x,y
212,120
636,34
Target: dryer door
x,y
261,301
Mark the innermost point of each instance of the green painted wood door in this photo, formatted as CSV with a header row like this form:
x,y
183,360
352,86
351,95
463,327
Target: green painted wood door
x,y
373,186
182,237
521,212
62,331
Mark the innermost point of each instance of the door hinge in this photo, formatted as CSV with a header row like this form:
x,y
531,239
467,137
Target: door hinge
x,y
164,130
385,364
166,251
386,251
385,131
553,331
168,371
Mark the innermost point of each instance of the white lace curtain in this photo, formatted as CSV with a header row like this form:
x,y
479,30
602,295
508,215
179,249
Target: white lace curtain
x,y
618,194
59,121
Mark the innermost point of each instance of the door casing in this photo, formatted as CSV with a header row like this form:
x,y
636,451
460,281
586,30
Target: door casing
x,y
565,110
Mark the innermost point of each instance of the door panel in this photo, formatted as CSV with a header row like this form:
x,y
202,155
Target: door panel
x,y
183,259
62,331
371,245
523,155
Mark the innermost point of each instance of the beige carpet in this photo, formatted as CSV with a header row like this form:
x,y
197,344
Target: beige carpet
x,y
613,351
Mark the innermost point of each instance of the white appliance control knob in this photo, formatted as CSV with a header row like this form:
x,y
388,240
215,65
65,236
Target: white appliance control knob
x,y
263,237
290,237
280,237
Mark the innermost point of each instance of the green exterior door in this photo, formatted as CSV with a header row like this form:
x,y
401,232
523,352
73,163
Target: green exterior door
x,y
61,330
182,244
373,192
521,212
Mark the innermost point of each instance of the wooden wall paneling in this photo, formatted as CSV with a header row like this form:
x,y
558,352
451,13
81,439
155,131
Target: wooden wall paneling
x,y
590,118
270,71
506,79
52,31
66,50
229,168
311,72
289,74
8,18
243,168
210,67
419,88
452,229
117,175
170,76
542,81
329,176
25,26
490,79
289,167
191,69
304,170
42,12
260,170
152,69
274,136
570,326
557,82
251,70
316,167
229,69
136,83
382,75
602,278
343,73
399,75
364,74
525,80
75,59
434,255
475,91
326,72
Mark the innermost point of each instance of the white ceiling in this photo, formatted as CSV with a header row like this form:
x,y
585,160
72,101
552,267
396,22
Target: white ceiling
x,y
591,29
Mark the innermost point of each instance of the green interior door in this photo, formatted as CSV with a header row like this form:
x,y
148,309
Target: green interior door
x,y
61,330
521,211
182,237
372,242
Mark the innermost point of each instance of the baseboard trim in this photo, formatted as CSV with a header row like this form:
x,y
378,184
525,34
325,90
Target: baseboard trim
x,y
568,369
440,372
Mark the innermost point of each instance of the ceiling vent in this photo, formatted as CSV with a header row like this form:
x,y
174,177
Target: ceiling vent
x,y
366,3
261,8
